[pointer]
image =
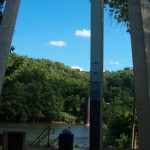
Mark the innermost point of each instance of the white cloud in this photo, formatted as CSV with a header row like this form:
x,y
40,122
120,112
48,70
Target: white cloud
x,y
57,43
77,67
83,33
115,63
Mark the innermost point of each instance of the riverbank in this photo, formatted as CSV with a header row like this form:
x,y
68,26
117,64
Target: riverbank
x,y
81,132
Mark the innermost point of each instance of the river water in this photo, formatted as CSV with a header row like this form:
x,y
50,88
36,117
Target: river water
x,y
81,132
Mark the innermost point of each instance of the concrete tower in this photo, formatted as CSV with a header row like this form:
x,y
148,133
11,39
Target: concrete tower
x,y
96,74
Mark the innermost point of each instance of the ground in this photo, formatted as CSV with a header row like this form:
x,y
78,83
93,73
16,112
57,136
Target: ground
x,y
56,149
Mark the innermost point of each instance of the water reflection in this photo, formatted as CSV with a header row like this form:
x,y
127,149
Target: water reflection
x,y
81,132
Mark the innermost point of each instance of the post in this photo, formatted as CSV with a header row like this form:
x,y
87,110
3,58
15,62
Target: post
x,y
96,75
87,115
139,17
6,33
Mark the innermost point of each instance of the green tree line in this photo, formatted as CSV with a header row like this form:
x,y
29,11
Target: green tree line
x,y
42,90
118,107
36,89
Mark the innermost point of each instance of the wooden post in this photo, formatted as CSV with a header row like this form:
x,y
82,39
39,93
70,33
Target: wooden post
x,y
96,75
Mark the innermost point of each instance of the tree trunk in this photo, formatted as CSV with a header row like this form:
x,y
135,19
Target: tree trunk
x,y
133,138
139,16
6,33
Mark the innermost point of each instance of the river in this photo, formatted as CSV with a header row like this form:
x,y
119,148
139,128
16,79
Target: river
x,y
81,132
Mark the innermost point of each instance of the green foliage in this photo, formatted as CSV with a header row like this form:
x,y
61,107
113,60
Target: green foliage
x,y
119,10
123,141
42,90
118,107
66,117
39,89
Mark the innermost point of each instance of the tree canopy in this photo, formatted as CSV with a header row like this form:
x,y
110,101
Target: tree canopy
x,y
39,89
119,10
118,107
42,90
36,89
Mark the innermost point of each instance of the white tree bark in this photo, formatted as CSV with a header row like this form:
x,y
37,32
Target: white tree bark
x,y
6,33
139,16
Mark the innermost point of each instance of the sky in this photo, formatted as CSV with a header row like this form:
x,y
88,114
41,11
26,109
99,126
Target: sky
x,y
59,30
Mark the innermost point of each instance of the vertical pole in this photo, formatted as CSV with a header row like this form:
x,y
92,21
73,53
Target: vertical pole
x,y
48,142
87,119
6,33
139,16
96,75
133,129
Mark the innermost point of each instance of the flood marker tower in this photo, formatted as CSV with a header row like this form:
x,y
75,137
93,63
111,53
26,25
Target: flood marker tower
x,y
96,74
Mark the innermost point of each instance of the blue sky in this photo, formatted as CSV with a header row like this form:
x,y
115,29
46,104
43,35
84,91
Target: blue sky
x,y
59,30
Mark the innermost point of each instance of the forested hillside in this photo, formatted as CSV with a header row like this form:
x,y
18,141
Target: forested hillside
x,y
39,89
42,90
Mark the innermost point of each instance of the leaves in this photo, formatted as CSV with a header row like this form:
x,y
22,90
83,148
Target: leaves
x,y
41,89
118,107
119,10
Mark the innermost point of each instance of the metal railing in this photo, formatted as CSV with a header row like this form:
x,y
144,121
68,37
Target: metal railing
x,y
43,135
53,142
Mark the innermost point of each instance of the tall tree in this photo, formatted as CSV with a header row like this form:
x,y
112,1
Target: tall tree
x,y
6,32
135,14
139,17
